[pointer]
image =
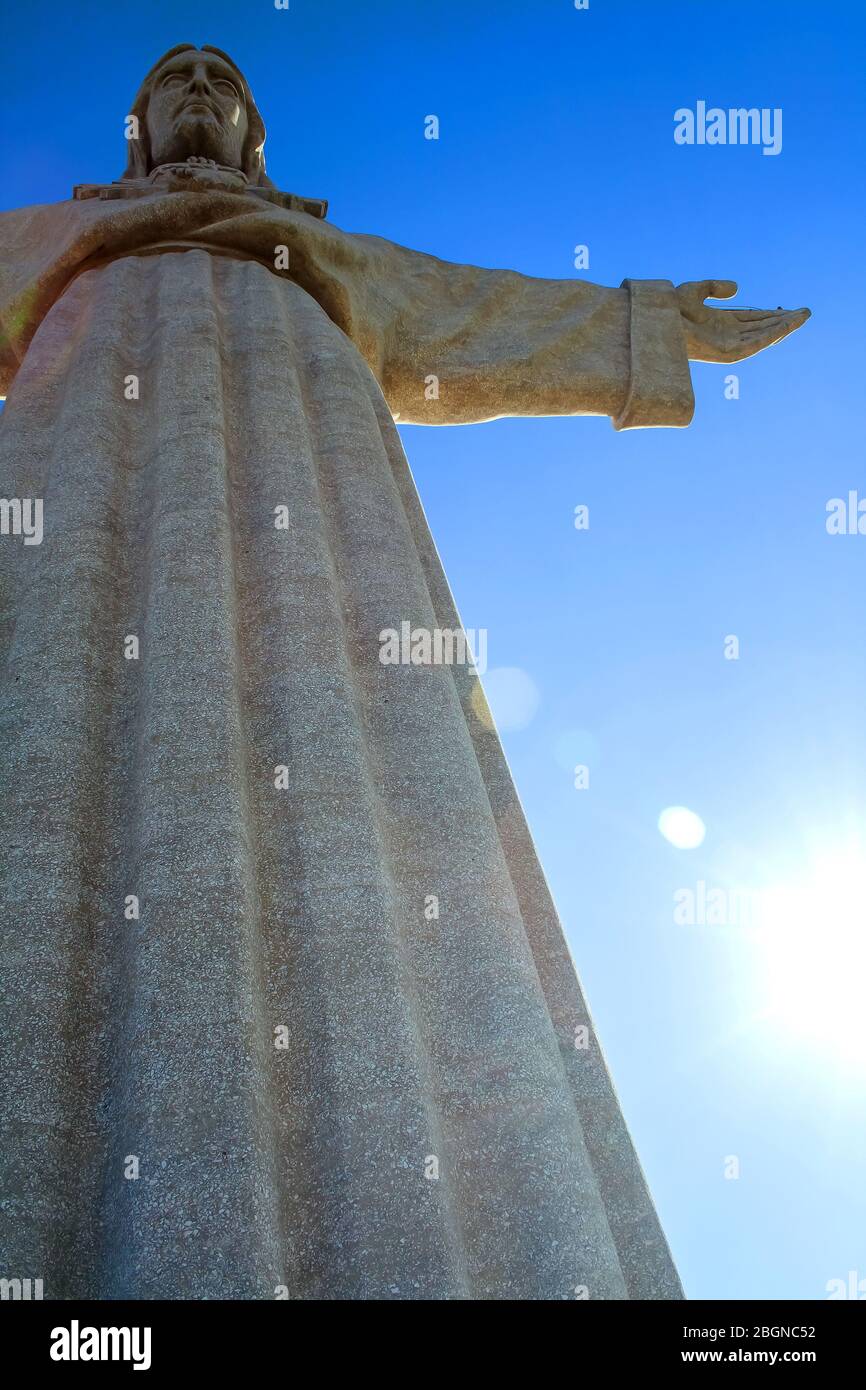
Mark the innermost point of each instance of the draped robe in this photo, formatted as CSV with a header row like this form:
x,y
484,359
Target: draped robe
x,y
281,1076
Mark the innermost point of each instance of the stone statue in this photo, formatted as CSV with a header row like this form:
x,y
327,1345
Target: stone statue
x,y
287,1010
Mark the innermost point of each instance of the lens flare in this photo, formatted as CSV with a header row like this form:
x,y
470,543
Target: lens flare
x,y
683,828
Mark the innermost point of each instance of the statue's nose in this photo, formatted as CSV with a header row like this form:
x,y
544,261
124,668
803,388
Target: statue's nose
x,y
199,82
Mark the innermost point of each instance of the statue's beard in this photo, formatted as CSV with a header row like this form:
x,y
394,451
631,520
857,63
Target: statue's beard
x,y
198,133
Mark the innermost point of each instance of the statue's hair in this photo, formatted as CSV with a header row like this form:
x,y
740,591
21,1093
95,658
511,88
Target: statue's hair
x,y
252,158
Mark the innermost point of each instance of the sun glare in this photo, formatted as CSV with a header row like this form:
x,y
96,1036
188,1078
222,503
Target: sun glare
x,y
811,934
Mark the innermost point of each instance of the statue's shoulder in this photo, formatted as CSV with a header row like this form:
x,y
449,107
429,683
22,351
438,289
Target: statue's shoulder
x,y
33,223
35,209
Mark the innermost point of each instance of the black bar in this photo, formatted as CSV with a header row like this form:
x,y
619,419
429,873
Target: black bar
x,y
249,1336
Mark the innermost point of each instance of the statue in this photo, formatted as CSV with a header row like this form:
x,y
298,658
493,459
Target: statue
x,y
287,1008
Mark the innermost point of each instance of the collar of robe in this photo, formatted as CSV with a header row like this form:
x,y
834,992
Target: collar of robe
x,y
202,178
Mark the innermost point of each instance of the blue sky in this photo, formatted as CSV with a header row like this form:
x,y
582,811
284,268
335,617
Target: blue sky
x,y
556,128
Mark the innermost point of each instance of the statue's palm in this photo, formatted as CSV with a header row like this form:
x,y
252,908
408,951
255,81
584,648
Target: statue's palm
x,y
729,335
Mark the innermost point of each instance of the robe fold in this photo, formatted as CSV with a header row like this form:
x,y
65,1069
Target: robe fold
x,y
279,1074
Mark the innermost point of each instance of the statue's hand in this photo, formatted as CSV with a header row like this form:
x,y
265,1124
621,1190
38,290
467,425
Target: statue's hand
x,y
729,335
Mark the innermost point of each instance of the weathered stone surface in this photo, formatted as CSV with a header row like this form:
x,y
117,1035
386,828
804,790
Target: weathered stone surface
x,y
294,912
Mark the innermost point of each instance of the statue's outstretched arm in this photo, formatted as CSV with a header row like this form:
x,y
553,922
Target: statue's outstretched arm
x,y
463,344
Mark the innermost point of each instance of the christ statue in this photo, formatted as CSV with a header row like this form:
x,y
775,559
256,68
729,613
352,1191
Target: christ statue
x,y
287,1009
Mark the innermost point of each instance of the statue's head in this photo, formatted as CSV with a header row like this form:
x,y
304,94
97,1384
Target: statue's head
x,y
195,101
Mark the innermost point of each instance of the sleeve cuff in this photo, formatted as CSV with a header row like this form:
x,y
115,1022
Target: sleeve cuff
x,y
660,385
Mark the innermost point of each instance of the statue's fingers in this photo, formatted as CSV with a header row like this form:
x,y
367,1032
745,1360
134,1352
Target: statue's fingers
x,y
759,317
755,316
764,329
764,335
784,322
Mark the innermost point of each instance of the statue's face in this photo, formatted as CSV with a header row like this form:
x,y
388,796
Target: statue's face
x,y
196,107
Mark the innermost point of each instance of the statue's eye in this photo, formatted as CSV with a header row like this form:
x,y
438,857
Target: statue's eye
x,y
172,80
223,85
